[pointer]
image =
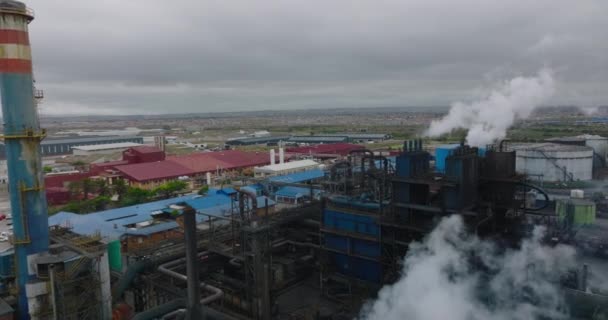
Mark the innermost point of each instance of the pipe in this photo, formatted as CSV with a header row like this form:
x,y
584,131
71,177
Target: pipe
x,y
236,262
194,294
531,186
161,310
216,293
211,314
53,299
254,202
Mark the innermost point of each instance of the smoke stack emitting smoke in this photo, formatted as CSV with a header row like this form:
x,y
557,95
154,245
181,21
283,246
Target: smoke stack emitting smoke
x,y
441,280
488,120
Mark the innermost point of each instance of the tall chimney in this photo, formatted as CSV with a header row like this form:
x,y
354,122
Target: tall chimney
x,y
22,136
272,156
281,155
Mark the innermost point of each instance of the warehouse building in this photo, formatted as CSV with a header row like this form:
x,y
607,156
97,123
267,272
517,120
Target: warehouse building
x,y
256,140
331,150
146,224
107,148
61,146
359,137
285,168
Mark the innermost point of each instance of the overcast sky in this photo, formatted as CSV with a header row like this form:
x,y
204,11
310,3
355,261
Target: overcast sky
x,y
152,56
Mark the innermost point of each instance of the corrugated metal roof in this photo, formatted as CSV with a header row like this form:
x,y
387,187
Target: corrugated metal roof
x,y
146,149
317,139
299,176
337,148
112,223
80,140
358,135
295,192
221,160
288,165
257,140
142,172
106,146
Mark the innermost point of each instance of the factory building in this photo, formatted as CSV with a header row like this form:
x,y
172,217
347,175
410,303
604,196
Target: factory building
x,y
232,254
359,137
257,140
325,151
318,139
285,168
555,162
145,225
61,146
108,148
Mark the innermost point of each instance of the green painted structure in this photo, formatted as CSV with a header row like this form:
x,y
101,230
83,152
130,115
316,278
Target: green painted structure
x,y
114,255
579,212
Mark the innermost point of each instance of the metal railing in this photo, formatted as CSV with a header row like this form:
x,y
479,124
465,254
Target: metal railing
x,y
27,12
568,176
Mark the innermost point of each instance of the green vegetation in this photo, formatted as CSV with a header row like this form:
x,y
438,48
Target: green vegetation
x,y
169,189
135,196
47,169
127,196
203,190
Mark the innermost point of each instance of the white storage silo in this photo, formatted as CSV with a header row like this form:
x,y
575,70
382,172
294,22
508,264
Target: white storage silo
x,y
555,162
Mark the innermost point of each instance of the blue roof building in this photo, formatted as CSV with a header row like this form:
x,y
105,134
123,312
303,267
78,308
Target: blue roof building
x,y
293,195
299,177
143,219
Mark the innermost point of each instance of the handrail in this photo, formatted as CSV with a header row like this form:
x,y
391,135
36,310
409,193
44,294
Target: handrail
x,y
553,161
27,12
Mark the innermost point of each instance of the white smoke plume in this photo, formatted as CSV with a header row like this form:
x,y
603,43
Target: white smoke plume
x,y
488,119
442,279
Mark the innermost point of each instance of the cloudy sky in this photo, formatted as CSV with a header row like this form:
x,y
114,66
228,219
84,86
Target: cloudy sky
x,y
152,56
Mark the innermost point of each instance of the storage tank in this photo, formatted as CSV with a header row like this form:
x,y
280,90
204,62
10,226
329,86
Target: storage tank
x,y
599,145
555,162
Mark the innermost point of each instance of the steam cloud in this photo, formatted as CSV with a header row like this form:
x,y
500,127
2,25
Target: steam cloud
x,y
441,279
488,119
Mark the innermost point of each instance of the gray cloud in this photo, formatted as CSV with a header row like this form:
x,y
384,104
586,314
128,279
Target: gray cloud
x,y
145,56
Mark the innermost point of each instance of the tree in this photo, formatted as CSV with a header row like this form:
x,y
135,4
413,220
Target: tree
x,y
101,187
135,196
87,187
75,188
79,165
203,190
169,189
120,188
47,169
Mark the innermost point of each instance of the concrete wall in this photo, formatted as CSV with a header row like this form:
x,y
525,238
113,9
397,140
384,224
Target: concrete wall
x,y
579,163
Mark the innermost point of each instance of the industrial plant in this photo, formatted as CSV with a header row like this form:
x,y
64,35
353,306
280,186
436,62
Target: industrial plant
x,y
318,229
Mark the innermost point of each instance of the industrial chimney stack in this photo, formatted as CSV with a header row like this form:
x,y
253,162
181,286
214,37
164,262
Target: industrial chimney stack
x,y
22,135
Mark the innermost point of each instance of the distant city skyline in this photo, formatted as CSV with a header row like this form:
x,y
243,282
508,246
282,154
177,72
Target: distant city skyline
x,y
163,57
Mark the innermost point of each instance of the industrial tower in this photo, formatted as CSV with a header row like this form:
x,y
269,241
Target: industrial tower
x,y
22,135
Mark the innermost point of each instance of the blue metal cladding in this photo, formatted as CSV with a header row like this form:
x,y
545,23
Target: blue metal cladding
x,y
27,196
357,268
441,153
355,246
7,264
351,222
354,256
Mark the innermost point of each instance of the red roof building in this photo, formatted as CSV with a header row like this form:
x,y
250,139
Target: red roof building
x,y
153,172
326,150
142,154
222,160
